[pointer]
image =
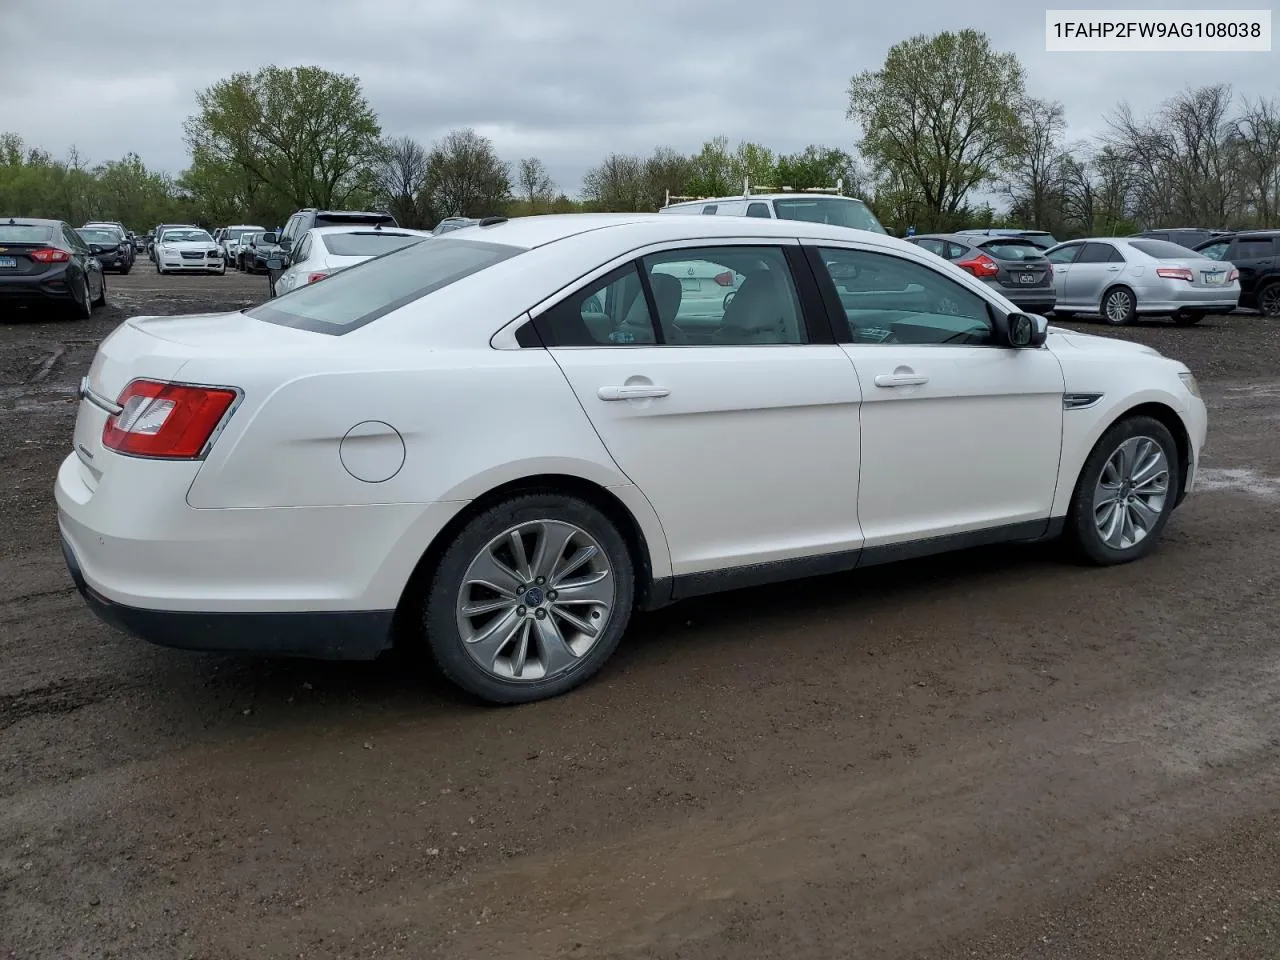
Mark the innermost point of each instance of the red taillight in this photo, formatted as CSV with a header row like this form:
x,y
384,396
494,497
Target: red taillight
x,y
168,421
316,276
1175,273
725,279
50,255
1233,276
980,266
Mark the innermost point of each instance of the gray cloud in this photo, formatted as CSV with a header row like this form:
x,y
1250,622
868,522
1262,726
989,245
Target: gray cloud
x,y
566,80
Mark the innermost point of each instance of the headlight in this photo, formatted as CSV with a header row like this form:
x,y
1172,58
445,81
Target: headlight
x,y
1189,381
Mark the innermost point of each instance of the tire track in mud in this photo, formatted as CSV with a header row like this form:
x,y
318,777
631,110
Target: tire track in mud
x,y
58,697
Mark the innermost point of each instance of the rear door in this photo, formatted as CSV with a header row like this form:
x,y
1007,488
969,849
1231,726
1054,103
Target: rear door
x,y
744,438
1254,257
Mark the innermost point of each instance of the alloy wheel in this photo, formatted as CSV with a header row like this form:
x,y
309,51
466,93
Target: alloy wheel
x,y
1269,300
1118,306
535,600
1130,495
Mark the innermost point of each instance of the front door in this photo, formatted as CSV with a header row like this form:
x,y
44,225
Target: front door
x,y
1098,267
743,433
959,435
1062,259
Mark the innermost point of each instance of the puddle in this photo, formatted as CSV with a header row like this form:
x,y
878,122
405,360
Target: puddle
x,y
1240,481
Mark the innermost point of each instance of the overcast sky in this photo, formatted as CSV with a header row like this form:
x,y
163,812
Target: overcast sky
x,y
566,80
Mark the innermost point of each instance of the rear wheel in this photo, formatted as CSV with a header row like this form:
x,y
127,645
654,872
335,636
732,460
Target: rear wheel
x,y
530,599
82,306
101,301
1119,307
1125,493
1269,300
1188,318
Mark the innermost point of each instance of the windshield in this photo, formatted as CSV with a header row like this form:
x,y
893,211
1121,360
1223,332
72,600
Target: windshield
x,y
368,244
186,236
25,233
1017,250
106,238
1164,250
361,294
837,211
238,233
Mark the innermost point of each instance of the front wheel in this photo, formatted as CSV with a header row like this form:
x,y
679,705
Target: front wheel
x,y
1119,307
1125,493
1269,300
530,599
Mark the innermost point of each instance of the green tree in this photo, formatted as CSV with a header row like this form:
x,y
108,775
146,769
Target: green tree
x,y
821,166
941,116
308,135
465,177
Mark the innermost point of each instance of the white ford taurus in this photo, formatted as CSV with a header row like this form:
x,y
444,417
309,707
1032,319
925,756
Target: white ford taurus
x,y
514,435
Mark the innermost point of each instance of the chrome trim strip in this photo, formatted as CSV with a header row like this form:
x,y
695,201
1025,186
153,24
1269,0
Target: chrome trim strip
x,y
98,400
1079,401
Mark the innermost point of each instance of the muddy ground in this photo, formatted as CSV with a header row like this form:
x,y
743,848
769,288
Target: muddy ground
x,y
988,755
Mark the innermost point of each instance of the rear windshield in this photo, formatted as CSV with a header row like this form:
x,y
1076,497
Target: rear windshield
x,y
238,233
368,244
107,237
1042,240
837,211
1164,250
342,219
359,295
25,233
1017,250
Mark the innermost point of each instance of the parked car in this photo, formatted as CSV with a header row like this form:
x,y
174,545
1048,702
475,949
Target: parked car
x,y
303,220
1040,238
449,224
1015,267
323,251
126,235
255,252
439,438
815,205
1121,278
161,228
187,250
141,241
232,238
1256,254
1189,237
111,248
45,263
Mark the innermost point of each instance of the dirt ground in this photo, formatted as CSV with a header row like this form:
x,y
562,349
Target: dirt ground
x,y
989,755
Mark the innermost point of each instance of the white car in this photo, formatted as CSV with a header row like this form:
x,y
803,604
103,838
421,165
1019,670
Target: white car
x,y
323,251
232,237
447,437
188,249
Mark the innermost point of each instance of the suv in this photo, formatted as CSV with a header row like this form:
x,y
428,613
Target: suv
x,y
1189,237
1256,254
1039,238
814,205
302,221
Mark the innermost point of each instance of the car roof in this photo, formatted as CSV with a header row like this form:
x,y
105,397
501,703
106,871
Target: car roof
x,y
536,231
367,228
29,222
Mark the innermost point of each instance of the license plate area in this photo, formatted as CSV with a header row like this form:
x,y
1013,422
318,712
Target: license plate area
x,y
1027,278
8,263
1213,278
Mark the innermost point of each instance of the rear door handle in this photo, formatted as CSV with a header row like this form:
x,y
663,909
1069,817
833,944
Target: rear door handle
x,y
632,393
1113,269
900,380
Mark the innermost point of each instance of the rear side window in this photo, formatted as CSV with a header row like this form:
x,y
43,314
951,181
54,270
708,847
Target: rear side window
x,y
1164,250
759,210
351,298
709,210
367,244
25,233
1258,248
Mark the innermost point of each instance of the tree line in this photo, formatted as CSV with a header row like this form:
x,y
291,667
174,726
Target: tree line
x,y
945,118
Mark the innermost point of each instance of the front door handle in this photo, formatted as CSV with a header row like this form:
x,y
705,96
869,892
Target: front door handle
x,y
1113,269
900,380
632,393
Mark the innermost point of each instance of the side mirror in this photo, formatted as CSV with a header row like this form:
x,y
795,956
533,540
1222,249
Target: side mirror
x,y
1027,330
269,238
275,263
97,248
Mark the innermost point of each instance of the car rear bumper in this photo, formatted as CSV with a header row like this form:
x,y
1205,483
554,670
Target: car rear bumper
x,y
1167,298
50,285
297,581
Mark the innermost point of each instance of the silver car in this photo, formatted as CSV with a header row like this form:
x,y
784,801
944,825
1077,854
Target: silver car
x,y
1123,278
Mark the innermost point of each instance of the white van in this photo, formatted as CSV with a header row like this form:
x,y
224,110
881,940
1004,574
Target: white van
x,y
813,205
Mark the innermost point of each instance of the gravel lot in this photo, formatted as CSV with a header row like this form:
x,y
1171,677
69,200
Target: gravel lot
x,y
988,755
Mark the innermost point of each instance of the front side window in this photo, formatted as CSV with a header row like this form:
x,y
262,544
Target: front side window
x,y
1215,251
933,245
837,211
890,299
349,299
1065,255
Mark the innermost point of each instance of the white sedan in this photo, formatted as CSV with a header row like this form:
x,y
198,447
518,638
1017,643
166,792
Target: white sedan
x,y
508,439
323,251
187,249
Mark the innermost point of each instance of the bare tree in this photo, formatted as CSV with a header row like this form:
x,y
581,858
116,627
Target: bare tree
x,y
465,176
401,179
1256,138
534,183
1034,179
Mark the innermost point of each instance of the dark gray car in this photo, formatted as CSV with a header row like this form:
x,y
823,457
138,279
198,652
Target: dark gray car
x,y
1016,268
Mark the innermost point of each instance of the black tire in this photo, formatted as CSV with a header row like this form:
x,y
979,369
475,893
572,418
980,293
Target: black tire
x,y
1188,318
444,639
1130,311
1269,299
82,308
1082,532
125,271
